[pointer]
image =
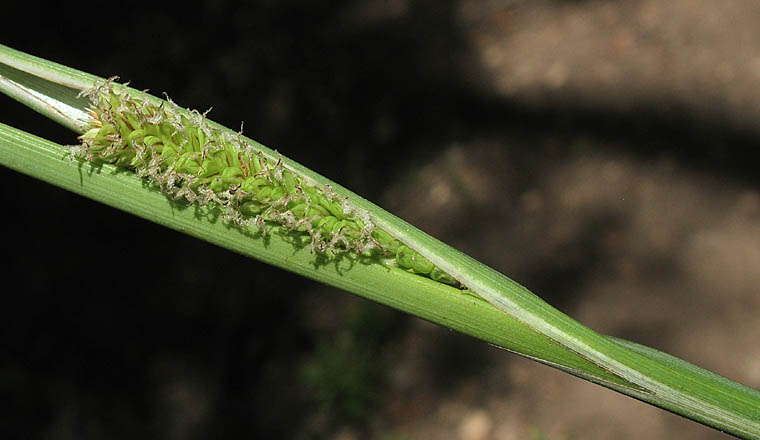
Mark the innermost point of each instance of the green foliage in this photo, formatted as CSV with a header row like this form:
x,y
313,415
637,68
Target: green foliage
x,y
211,173
343,379
344,373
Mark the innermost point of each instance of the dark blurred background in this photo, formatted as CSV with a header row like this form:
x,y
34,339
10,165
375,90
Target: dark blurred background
x,y
599,152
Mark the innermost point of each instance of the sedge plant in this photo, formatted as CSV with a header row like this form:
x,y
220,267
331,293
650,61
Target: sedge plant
x,y
152,158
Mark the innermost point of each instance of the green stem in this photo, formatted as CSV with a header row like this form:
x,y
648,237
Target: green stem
x,y
515,319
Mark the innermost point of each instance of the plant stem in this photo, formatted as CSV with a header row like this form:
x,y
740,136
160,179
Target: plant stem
x,y
508,315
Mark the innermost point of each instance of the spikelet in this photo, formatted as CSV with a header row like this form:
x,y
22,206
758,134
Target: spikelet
x,y
187,158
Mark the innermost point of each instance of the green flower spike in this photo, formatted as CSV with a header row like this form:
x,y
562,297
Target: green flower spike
x,y
188,159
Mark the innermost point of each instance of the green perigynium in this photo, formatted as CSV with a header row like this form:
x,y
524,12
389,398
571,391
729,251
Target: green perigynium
x,y
186,158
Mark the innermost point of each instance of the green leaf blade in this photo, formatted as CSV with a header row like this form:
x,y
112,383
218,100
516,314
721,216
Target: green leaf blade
x,y
508,315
